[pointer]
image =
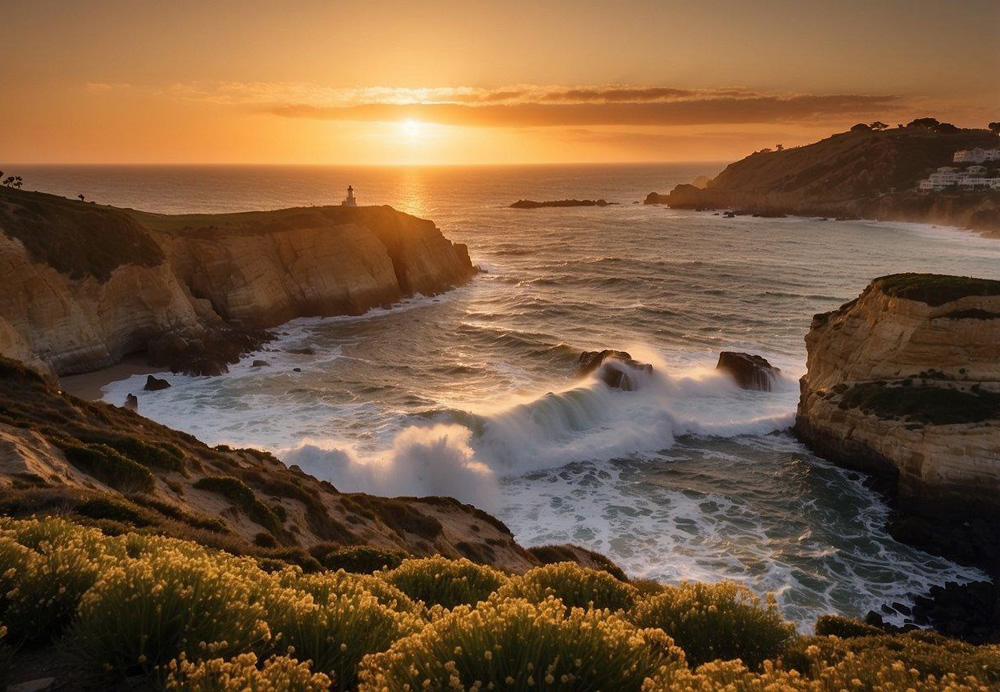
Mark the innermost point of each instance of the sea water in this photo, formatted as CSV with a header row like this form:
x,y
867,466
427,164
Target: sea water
x,y
474,394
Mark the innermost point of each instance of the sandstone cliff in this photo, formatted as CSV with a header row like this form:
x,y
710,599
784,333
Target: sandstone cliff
x,y
904,382
863,174
83,285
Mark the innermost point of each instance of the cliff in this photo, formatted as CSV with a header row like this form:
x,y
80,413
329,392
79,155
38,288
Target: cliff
x,y
83,285
865,174
904,382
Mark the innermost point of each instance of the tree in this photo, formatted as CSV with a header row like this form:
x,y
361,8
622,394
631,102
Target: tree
x,y
860,127
878,126
82,198
779,147
994,128
929,123
18,182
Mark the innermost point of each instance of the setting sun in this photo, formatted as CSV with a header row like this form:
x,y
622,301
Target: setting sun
x,y
412,128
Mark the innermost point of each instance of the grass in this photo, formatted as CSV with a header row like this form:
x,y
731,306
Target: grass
x,y
922,404
237,492
936,289
110,467
75,238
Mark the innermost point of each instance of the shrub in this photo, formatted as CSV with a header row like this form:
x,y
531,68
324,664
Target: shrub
x,y
717,621
336,634
162,455
733,676
575,586
277,674
55,564
322,586
363,559
243,497
444,582
845,628
114,509
145,612
517,645
111,468
867,658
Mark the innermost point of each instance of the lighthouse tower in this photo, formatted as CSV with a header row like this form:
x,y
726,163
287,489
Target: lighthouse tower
x,y
350,201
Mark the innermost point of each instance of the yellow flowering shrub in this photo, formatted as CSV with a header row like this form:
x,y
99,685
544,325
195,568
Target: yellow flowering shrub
x,y
717,621
517,645
444,582
575,586
142,613
48,566
322,585
334,634
733,676
929,655
241,674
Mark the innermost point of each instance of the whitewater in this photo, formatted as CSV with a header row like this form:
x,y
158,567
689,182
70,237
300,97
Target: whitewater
x,y
474,393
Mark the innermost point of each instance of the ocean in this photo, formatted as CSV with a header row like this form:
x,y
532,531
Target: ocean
x,y
474,394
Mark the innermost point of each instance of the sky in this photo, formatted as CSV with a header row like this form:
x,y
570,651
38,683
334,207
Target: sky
x,y
477,81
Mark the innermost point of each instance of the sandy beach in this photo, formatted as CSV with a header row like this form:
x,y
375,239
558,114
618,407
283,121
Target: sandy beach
x,y
89,385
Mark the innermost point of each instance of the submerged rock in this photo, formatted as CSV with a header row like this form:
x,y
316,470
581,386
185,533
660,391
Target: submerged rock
x,y
155,384
749,370
617,369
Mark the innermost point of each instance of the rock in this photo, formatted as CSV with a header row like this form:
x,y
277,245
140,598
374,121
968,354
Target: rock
x,y
617,369
750,371
904,383
155,384
296,369
260,364
38,685
132,402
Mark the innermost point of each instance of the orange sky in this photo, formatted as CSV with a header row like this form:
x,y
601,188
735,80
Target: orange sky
x,y
477,82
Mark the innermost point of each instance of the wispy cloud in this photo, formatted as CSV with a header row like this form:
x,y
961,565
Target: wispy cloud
x,y
530,105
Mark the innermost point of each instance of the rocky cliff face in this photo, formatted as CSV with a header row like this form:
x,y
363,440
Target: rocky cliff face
x,y
853,174
81,286
904,382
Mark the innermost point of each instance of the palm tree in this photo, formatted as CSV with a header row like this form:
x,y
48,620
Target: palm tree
x,y
18,182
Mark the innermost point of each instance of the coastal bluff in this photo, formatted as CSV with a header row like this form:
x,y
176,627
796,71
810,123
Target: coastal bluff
x,y
904,383
83,285
858,174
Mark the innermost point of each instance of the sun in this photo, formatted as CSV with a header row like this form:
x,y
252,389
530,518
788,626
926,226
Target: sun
x,y
411,128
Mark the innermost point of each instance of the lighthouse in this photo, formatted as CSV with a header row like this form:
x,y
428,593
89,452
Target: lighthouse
x,y
349,201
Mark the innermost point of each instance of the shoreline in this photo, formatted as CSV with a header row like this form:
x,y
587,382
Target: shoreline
x,y
89,385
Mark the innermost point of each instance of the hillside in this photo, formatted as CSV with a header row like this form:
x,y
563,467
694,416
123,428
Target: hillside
x,y
84,285
863,174
112,468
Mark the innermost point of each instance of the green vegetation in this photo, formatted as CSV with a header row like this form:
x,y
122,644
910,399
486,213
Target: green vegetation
x,y
922,404
243,497
936,289
111,468
444,582
845,628
712,621
362,559
75,238
187,617
575,587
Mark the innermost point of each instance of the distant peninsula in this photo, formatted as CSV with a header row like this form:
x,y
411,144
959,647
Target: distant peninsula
x,y
531,204
924,172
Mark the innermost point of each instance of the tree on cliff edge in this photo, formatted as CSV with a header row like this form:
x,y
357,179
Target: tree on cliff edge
x,y
994,128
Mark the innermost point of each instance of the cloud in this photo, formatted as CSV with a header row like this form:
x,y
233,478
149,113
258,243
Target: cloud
x,y
696,111
532,105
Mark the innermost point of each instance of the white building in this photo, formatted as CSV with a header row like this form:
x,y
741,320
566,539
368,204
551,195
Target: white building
x,y
977,155
349,201
973,177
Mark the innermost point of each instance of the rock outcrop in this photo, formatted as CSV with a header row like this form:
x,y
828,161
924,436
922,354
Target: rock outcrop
x,y
749,370
617,369
860,174
83,285
904,382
